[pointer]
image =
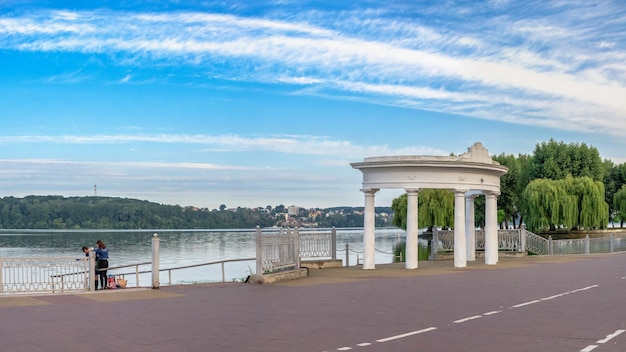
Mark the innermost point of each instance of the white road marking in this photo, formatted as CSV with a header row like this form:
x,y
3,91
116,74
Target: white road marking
x,y
468,318
552,297
492,312
586,349
583,289
406,334
526,303
604,340
609,337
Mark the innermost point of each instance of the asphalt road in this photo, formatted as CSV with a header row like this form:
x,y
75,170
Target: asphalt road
x,y
521,304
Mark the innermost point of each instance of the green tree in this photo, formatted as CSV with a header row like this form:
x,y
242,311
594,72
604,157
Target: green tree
x,y
565,204
614,180
436,208
399,206
548,206
593,211
619,204
508,201
555,160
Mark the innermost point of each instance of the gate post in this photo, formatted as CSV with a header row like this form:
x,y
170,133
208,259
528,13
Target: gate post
x,y
296,247
259,251
549,245
333,243
155,260
1,282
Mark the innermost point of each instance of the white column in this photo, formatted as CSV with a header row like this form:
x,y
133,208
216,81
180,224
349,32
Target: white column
x,y
369,230
491,229
470,228
411,229
460,250
156,250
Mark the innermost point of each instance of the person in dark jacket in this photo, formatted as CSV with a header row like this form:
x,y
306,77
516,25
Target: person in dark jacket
x,y
102,258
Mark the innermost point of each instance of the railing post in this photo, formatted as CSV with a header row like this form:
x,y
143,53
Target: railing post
x,y
434,244
611,243
347,255
259,251
1,278
155,260
333,243
549,245
296,249
522,235
587,245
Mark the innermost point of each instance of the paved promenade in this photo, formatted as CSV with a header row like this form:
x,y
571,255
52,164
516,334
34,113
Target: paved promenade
x,y
554,304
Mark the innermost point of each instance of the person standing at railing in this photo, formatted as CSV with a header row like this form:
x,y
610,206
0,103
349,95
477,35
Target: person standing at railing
x,y
102,258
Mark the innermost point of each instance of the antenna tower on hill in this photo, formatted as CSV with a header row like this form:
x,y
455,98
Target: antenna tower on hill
x,y
95,190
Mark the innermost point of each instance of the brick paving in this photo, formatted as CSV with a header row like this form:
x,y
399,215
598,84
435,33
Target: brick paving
x,y
521,304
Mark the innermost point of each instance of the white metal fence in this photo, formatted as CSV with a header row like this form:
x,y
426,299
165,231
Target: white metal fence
x,y
520,240
52,274
318,244
282,249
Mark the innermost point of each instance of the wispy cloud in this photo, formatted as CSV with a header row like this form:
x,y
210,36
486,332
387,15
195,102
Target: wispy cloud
x,y
561,69
286,144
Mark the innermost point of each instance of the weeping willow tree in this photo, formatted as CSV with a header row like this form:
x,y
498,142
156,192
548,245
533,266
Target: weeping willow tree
x,y
546,205
619,204
565,204
436,208
593,211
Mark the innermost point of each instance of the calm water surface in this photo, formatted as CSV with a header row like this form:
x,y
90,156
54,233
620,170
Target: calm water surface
x,y
179,248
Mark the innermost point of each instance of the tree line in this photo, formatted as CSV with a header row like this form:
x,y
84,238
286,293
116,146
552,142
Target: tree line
x,y
98,212
559,187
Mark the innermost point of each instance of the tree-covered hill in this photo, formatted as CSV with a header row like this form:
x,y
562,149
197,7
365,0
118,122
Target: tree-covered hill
x,y
97,212
57,212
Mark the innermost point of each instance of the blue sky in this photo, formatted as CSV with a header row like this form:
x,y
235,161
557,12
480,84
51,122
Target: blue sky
x,y
256,103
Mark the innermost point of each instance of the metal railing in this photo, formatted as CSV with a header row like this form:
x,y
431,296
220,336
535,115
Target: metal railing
x,y
280,250
277,251
318,244
521,240
138,271
445,240
536,244
43,274
283,249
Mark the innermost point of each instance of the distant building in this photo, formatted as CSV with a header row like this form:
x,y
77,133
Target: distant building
x,y
293,210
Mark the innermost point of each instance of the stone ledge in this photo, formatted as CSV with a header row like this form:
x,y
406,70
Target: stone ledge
x,y
279,276
479,254
321,264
